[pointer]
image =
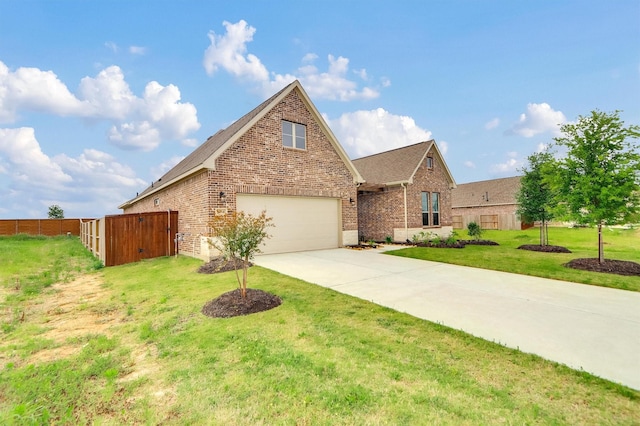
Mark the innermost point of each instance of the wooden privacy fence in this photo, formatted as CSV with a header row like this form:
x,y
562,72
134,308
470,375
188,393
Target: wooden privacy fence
x,y
48,227
126,238
490,221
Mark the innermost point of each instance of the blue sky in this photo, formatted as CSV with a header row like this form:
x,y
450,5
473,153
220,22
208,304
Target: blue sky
x,y
99,98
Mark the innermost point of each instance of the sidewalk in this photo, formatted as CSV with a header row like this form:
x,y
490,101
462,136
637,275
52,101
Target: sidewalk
x,y
586,327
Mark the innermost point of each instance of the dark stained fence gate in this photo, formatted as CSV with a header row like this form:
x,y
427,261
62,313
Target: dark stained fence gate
x,y
126,238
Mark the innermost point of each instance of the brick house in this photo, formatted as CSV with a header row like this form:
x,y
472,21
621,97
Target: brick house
x,y
406,191
281,157
490,203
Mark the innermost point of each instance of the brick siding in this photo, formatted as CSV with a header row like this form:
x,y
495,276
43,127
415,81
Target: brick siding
x,y
379,213
257,163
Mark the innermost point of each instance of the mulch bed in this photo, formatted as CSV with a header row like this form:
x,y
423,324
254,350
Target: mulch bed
x,y
620,267
545,249
458,244
441,244
232,304
219,264
362,246
479,243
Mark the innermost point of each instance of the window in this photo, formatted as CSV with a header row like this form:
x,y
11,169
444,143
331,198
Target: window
x,y
429,162
425,209
294,135
431,204
435,204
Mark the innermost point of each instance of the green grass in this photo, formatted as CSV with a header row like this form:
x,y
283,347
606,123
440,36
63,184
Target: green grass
x,y
620,244
319,358
32,263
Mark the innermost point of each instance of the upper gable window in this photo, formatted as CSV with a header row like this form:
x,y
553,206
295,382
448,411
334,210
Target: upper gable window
x,y
294,135
429,162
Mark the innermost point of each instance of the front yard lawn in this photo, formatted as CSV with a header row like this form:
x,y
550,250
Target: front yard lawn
x,y
620,244
129,345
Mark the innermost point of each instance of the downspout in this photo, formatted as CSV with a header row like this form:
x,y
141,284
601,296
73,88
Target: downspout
x,y
406,225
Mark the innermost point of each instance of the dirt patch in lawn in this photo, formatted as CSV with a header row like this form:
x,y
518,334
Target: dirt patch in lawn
x,y
74,311
620,267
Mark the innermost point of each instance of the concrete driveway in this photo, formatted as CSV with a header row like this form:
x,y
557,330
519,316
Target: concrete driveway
x,y
585,327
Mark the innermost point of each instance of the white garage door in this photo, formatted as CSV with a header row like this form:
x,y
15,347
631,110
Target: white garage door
x,y
300,223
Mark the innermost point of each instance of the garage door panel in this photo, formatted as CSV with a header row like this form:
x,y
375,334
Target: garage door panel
x,y
300,223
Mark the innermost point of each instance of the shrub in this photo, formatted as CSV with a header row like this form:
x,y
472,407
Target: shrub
x,y
474,230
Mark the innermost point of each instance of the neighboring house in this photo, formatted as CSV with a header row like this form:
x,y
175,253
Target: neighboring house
x,y
490,203
406,191
281,157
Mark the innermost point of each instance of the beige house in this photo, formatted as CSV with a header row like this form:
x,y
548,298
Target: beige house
x,y
406,191
490,203
280,157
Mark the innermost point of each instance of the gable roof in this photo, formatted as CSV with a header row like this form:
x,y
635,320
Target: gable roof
x,y
205,155
397,166
486,193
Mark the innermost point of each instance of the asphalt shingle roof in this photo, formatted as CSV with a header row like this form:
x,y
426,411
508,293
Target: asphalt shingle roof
x,y
486,192
396,165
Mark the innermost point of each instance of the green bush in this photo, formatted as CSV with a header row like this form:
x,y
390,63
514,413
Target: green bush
x,y
474,230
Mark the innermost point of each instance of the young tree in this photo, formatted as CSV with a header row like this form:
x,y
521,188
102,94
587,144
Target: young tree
x,y
474,230
535,197
599,179
238,237
55,212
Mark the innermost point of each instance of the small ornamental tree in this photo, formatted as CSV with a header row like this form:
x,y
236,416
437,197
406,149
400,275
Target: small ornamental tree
x,y
598,180
474,230
55,212
535,197
238,237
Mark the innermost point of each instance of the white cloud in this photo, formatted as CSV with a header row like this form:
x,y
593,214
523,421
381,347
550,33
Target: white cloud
x,y
229,52
542,147
469,164
510,166
91,184
363,133
192,142
108,94
111,46
140,135
25,163
443,146
137,122
137,50
309,57
165,166
539,118
35,90
492,124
